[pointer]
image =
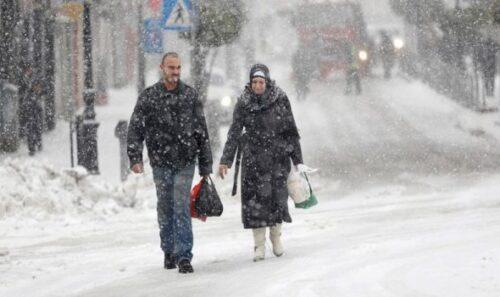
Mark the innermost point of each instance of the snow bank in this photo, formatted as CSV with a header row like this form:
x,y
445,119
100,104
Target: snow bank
x,y
425,109
38,190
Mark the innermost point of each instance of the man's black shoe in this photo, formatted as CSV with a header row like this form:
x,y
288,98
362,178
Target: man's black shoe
x,y
185,266
169,261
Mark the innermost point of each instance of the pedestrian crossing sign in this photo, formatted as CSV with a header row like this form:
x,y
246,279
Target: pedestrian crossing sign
x,y
177,15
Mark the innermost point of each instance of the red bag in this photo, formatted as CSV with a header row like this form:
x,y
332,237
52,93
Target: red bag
x,y
195,194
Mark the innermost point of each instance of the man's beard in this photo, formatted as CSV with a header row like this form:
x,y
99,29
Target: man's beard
x,y
173,79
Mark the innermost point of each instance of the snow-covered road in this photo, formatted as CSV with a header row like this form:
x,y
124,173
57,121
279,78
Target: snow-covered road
x,y
409,206
387,241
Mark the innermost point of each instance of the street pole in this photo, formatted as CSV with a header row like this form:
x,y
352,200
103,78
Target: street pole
x,y
49,85
35,105
86,123
141,59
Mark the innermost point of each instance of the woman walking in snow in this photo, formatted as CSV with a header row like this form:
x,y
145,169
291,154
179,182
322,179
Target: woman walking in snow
x,y
263,131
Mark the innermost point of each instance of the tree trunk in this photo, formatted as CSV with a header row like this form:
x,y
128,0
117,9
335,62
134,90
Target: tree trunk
x,y
198,64
141,59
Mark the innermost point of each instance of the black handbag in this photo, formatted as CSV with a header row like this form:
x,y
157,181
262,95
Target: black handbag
x,y
208,204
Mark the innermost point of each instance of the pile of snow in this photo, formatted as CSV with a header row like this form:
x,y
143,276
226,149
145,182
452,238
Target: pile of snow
x,y
425,109
38,190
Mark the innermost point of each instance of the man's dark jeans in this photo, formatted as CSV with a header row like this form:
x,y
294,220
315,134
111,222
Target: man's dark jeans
x,y
174,216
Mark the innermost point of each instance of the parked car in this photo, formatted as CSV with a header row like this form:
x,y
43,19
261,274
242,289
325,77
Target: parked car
x,y
221,99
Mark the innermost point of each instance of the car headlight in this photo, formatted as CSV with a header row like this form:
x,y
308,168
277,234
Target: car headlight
x,y
398,43
363,55
225,101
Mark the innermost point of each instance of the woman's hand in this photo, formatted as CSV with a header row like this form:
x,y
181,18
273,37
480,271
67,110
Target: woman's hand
x,y
138,168
223,169
305,169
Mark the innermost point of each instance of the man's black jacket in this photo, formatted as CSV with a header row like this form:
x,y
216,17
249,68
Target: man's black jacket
x,y
173,125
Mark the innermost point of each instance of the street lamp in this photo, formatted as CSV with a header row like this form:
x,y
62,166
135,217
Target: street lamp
x,y
86,125
49,71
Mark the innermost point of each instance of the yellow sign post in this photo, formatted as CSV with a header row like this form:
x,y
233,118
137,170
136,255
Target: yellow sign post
x,y
73,10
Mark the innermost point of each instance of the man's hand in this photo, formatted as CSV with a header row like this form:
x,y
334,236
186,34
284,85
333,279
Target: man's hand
x,y
138,168
223,169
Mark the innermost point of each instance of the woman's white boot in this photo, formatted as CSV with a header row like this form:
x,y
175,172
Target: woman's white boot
x,y
275,236
259,237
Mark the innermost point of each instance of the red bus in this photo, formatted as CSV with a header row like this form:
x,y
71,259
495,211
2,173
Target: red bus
x,y
330,31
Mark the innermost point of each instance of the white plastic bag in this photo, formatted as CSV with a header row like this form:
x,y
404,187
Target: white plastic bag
x,y
298,189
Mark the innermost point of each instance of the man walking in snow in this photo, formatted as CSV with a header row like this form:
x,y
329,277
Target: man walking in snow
x,y
387,53
488,64
30,92
169,117
352,71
